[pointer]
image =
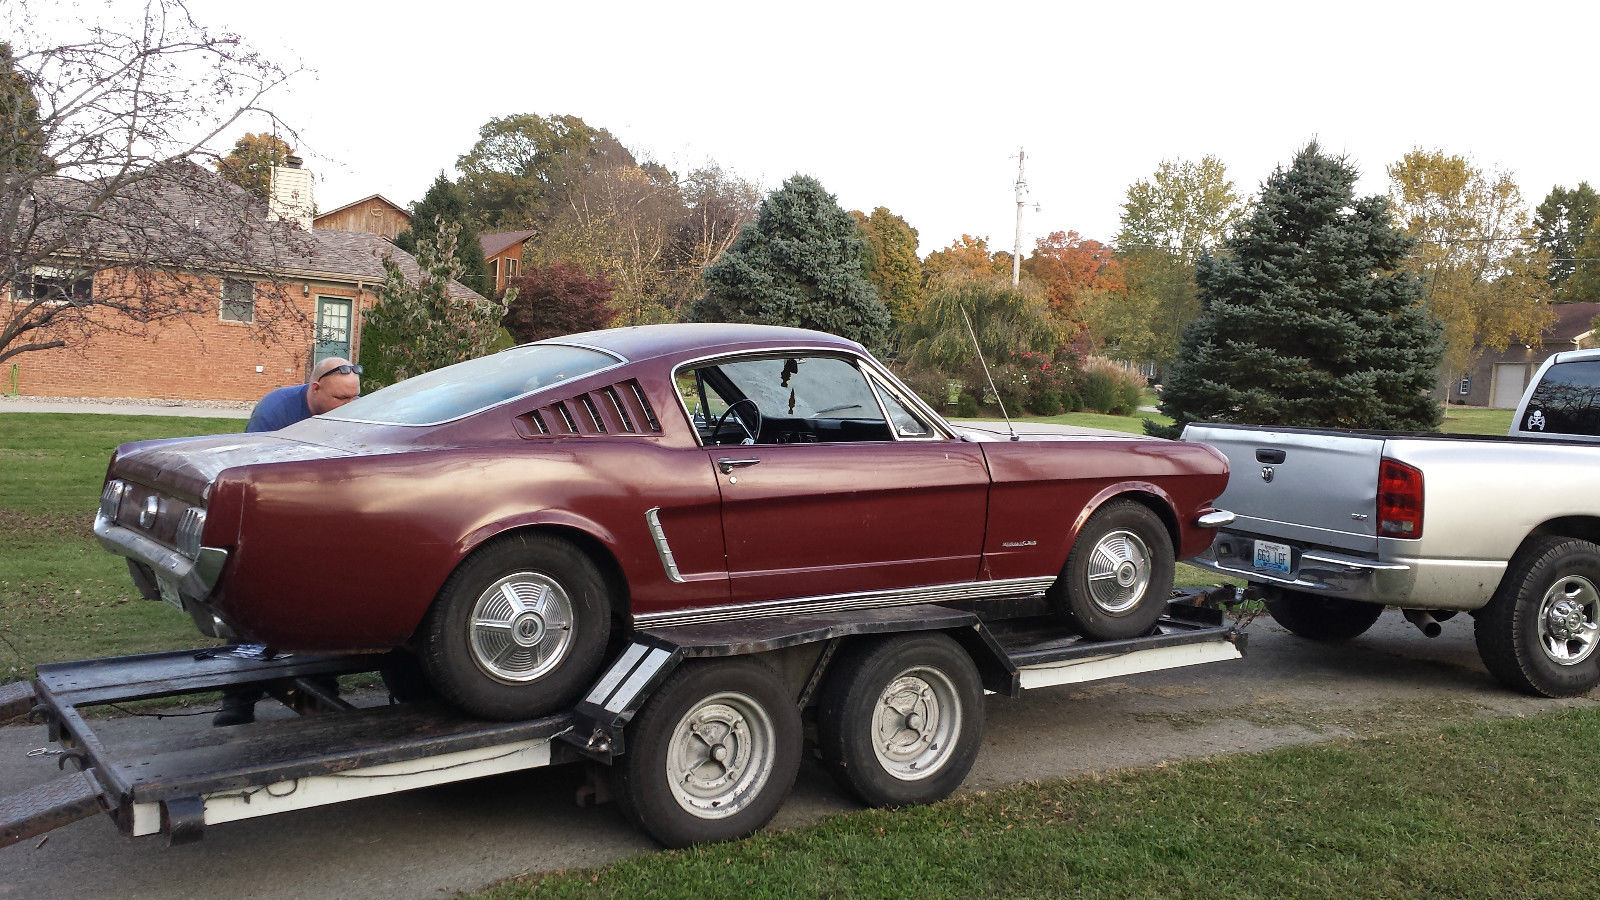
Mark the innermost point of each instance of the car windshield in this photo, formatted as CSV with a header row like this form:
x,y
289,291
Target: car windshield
x,y
477,384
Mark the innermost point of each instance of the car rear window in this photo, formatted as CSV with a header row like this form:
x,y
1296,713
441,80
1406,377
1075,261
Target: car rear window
x,y
1567,401
477,384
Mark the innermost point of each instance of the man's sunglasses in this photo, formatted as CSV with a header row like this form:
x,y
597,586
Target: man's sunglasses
x,y
347,369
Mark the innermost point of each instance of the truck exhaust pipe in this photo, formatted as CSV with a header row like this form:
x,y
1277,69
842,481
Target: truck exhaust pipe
x,y
1424,621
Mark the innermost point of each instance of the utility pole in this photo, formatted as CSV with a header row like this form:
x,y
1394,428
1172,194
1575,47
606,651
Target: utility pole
x,y
1022,193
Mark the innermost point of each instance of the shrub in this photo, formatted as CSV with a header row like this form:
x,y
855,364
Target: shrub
x,y
1109,388
1045,403
967,407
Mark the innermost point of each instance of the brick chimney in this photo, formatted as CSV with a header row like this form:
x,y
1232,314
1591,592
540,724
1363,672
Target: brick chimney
x,y
290,197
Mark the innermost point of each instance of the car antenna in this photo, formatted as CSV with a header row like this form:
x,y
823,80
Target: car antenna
x,y
979,350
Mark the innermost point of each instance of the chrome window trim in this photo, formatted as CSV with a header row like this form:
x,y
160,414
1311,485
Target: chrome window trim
x,y
878,383
620,361
864,363
936,593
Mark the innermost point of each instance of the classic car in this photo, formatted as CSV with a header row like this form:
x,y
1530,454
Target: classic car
x,y
507,520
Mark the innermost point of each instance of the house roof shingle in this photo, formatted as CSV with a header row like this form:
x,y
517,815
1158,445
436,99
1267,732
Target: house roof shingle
x,y
499,241
186,216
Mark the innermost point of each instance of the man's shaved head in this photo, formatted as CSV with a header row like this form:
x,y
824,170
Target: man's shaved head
x,y
329,392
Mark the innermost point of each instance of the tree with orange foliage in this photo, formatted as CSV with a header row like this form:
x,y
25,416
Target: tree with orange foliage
x,y
1072,267
969,255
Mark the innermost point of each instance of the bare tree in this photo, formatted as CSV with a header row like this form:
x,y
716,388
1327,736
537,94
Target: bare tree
x,y
109,220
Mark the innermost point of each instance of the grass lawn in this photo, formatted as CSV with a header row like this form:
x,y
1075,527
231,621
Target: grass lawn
x,y
1473,420
1491,809
61,595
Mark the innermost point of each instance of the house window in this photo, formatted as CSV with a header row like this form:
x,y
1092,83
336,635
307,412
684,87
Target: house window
x,y
1466,385
494,270
511,268
238,300
56,286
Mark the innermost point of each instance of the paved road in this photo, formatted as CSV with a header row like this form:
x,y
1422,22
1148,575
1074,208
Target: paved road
x,y
433,842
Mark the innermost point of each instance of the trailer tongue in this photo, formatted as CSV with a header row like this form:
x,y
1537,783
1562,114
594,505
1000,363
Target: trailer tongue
x,y
181,783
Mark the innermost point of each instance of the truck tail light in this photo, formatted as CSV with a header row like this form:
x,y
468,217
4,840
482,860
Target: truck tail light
x,y
1399,500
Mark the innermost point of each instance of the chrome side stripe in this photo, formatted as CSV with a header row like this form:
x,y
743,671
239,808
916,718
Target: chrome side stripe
x,y
1009,588
652,517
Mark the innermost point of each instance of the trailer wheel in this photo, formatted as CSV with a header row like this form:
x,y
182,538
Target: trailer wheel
x,y
1118,577
1321,618
900,722
712,754
518,630
1539,633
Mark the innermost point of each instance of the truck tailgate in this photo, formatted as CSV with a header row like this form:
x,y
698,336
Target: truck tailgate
x,y
1315,487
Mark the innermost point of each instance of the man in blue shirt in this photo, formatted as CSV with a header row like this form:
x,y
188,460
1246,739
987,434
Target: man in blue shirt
x,y
334,382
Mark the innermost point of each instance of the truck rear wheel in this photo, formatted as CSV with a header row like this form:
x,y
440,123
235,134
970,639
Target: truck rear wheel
x,y
1540,632
519,628
712,754
900,722
1118,577
1321,618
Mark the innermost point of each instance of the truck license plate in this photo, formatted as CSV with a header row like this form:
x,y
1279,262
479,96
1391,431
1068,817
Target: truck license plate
x,y
1272,556
169,591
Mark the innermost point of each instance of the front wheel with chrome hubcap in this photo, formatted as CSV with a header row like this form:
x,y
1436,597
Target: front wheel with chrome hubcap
x,y
900,721
712,754
1540,631
1118,576
519,628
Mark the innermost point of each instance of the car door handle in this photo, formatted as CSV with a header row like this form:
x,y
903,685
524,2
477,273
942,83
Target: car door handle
x,y
728,465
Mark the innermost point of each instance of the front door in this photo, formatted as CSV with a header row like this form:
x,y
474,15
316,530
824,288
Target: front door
x,y
822,493
333,329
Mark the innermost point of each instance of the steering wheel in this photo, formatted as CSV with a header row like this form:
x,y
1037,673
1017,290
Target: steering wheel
x,y
751,435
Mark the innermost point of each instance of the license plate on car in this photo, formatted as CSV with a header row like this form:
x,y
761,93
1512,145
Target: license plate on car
x,y
1273,557
169,592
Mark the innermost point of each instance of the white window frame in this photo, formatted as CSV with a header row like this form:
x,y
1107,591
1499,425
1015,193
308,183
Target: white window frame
x,y
224,301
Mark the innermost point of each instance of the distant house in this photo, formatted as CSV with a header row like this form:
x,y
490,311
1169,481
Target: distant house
x,y
293,299
502,250
375,215
1498,379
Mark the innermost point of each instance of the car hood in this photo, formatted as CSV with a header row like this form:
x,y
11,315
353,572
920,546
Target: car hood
x,y
188,466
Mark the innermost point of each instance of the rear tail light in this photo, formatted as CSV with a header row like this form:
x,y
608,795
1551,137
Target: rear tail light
x,y
1399,500
111,498
189,531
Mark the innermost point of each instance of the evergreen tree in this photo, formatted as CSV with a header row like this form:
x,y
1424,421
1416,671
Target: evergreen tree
x,y
22,136
444,202
1564,219
1308,318
417,326
798,264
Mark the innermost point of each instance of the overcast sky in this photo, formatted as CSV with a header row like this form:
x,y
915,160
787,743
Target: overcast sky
x,y
921,107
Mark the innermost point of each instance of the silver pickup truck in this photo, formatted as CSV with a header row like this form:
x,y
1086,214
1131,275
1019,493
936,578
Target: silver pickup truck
x,y
1332,526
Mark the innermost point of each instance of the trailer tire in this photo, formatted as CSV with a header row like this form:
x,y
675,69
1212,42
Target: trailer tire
x,y
1319,618
712,754
518,629
1118,577
1540,632
900,721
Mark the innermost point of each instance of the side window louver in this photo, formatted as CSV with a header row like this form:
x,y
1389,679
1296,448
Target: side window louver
x,y
615,409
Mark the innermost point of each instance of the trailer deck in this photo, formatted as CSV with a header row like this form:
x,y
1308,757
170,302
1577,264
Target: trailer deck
x,y
179,784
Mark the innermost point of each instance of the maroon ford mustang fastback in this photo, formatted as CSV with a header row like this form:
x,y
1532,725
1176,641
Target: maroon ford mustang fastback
x,y
508,518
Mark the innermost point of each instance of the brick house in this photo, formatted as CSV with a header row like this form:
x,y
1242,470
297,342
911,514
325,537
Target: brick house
x,y
295,298
502,250
1498,378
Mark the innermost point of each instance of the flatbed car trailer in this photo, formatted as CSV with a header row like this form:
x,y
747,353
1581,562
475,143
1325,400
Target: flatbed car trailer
x,y
701,724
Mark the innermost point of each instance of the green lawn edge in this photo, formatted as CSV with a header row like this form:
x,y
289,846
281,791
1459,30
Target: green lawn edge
x,y
1484,808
